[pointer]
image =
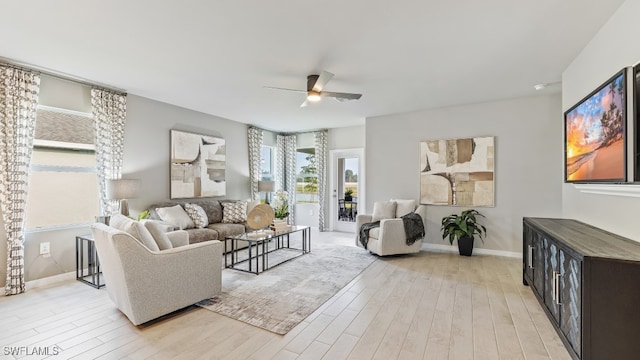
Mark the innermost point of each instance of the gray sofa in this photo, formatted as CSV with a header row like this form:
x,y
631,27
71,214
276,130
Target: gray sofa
x,y
216,230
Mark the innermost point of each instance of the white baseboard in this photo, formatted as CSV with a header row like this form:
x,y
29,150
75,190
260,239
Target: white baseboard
x,y
33,284
479,251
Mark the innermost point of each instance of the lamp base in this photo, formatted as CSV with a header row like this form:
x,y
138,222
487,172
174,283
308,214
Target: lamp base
x,y
124,207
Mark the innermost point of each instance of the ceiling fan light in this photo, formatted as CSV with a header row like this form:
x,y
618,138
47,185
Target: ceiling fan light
x,y
313,96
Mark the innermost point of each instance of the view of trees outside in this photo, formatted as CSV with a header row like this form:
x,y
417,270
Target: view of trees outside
x,y
351,175
307,180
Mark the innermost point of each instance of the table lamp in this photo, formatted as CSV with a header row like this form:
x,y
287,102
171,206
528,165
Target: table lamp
x,y
122,189
266,187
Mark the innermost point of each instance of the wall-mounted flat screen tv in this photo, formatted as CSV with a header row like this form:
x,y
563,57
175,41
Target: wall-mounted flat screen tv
x,y
636,124
595,139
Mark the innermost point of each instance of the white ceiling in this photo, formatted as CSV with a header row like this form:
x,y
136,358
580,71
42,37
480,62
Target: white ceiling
x,y
216,56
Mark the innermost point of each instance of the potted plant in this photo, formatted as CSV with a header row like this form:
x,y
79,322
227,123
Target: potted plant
x,y
280,205
464,228
348,195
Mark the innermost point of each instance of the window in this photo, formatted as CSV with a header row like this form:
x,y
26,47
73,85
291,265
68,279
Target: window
x,y
350,166
266,160
307,180
267,167
63,181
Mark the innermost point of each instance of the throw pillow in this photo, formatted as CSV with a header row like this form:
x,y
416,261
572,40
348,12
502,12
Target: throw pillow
x,y
135,229
234,212
383,210
251,204
404,207
159,235
175,215
197,214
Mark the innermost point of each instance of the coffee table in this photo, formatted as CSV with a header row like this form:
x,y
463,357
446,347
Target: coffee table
x,y
264,251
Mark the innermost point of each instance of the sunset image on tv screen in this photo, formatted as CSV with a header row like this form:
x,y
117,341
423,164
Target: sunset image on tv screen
x,y
595,136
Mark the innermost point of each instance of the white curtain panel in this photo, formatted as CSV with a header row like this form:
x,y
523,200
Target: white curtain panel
x,y
19,91
109,110
321,163
286,148
255,160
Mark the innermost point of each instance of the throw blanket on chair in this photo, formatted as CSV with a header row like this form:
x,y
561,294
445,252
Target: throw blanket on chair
x,y
364,232
413,229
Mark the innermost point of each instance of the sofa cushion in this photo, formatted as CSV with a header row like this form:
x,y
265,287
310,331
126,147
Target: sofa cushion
x,y
212,207
225,230
135,229
176,216
159,235
197,214
404,207
234,212
383,210
200,235
374,233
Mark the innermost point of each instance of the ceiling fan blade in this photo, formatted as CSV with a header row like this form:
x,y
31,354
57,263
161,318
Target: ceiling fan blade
x,y
277,88
323,79
305,103
341,96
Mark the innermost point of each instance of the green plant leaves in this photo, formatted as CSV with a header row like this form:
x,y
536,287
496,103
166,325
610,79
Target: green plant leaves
x,y
463,225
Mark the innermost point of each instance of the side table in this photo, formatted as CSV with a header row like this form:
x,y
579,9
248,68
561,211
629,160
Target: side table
x,y
86,247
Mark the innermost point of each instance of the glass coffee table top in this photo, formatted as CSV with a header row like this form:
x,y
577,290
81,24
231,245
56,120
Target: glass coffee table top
x,y
258,251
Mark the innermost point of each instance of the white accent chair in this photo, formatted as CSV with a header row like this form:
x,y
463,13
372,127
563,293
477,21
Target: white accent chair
x,y
390,237
146,284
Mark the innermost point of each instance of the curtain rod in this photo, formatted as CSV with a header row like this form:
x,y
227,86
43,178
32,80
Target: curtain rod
x,y
58,75
288,133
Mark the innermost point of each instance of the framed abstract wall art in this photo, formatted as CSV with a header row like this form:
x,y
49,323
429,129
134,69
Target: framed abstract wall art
x,y
198,165
457,172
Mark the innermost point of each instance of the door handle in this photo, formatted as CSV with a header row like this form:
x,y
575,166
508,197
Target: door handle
x,y
557,285
553,286
530,257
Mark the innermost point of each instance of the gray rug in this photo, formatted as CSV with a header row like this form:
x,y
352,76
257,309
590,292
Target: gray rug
x,y
280,298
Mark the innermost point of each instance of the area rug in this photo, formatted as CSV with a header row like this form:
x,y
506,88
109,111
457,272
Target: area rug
x,y
281,297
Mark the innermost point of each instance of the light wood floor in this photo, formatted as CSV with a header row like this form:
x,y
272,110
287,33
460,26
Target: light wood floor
x,y
425,306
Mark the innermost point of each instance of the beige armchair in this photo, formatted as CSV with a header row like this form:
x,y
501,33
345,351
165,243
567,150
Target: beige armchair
x,y
390,238
146,284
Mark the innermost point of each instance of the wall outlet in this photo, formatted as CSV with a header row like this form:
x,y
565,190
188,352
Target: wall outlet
x,y
45,248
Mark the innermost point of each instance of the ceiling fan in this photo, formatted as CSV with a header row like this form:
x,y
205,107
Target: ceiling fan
x,y
315,84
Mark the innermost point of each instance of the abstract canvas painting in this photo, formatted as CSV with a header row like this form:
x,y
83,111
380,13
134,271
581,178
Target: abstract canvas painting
x,y
457,171
197,165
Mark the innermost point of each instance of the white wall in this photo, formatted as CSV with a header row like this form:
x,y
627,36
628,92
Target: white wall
x,y
528,140
146,148
351,137
613,48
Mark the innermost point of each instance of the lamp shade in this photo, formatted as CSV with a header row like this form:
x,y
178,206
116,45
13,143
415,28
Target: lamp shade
x,y
122,189
266,186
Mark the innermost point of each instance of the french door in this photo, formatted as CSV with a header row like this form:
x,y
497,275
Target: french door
x,y
347,188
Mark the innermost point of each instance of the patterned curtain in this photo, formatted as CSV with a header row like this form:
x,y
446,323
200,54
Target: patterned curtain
x,y
321,163
19,91
255,160
286,148
109,112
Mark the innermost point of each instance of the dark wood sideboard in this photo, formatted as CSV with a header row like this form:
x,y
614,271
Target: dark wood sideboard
x,y
588,283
